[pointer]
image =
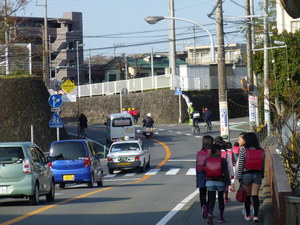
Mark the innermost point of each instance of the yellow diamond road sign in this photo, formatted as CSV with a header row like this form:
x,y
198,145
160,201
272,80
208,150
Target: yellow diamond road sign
x,y
68,86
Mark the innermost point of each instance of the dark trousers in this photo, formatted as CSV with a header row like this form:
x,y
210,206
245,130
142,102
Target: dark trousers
x,y
212,200
202,195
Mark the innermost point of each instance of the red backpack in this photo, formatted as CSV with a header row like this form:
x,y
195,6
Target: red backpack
x,y
201,156
254,159
236,149
214,167
224,154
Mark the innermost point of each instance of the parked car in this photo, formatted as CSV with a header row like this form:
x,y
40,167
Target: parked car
x,y
24,172
131,154
75,161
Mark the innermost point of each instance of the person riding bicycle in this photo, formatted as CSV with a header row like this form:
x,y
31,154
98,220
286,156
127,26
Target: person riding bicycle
x,y
148,121
82,123
207,116
196,118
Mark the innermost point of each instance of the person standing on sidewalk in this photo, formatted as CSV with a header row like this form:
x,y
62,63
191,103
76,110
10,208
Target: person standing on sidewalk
x,y
202,154
251,168
217,180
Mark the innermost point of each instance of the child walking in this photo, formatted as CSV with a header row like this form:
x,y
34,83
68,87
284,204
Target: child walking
x,y
202,154
217,180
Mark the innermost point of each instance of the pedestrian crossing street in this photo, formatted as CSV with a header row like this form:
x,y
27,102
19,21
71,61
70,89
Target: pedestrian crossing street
x,y
152,172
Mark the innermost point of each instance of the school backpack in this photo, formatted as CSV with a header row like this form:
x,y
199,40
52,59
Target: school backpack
x,y
201,156
214,167
254,159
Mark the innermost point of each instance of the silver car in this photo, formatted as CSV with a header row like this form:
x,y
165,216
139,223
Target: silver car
x,y
24,172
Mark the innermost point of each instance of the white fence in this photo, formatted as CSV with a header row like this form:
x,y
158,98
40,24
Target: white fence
x,y
154,83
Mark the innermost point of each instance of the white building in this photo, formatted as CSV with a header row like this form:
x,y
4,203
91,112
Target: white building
x,y
284,21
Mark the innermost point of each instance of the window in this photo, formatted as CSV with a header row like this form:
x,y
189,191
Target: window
x,y
125,147
112,77
11,154
121,122
68,150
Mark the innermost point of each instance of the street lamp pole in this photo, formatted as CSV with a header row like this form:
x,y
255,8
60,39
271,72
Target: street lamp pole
x,y
77,52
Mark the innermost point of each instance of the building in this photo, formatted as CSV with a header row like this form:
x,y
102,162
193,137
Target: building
x,y
284,21
65,36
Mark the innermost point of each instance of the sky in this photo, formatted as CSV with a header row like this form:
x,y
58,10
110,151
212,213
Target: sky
x,y
113,27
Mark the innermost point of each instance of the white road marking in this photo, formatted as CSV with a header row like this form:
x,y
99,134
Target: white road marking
x,y
113,180
181,160
177,208
191,171
110,175
130,174
173,171
179,132
152,172
188,134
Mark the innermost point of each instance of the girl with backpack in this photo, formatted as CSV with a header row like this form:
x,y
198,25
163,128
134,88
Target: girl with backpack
x,y
251,168
202,154
217,180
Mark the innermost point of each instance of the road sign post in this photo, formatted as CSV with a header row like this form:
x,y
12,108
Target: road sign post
x,y
178,92
55,101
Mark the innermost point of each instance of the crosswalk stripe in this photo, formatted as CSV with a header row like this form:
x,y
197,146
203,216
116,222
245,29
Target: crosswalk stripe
x,y
110,175
152,172
130,174
173,171
191,171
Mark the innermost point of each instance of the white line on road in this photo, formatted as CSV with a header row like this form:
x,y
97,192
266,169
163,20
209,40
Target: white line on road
x,y
191,171
173,171
130,174
152,172
177,208
181,160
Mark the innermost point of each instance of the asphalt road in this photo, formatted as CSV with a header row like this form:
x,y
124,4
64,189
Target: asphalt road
x,y
129,197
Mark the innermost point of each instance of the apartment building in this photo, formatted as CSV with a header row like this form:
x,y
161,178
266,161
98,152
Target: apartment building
x,y
65,38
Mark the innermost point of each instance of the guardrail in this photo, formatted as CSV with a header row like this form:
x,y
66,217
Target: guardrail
x,y
279,185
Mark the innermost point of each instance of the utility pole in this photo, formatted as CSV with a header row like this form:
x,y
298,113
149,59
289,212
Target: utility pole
x,y
45,49
250,71
172,53
223,105
266,69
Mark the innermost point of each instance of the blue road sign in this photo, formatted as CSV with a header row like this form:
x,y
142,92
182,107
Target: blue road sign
x,y
56,121
178,91
55,101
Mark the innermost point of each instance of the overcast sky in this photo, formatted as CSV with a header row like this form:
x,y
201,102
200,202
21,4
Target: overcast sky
x,y
121,23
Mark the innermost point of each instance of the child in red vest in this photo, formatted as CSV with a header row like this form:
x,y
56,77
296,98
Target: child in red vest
x,y
202,154
217,180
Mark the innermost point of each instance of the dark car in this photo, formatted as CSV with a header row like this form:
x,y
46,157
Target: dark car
x,y
75,161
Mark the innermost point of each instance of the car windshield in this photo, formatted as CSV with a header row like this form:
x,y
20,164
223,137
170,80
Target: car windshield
x,y
125,147
67,150
11,155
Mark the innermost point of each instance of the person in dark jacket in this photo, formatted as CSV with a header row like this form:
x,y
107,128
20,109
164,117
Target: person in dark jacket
x,y
148,121
83,121
217,180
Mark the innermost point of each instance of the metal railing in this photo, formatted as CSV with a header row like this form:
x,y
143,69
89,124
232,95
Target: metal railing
x,y
262,133
154,83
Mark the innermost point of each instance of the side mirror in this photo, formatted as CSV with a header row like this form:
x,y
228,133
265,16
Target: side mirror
x,y
50,159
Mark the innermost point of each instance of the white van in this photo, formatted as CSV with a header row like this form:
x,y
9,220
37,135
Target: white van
x,y
119,125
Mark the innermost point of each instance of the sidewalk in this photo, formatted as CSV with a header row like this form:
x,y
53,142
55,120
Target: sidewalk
x,y
190,214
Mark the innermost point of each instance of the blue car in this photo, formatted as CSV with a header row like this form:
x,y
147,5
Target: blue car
x,y
75,161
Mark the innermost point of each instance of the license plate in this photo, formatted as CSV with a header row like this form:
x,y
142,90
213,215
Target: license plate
x,y
123,159
123,164
68,177
3,190
147,133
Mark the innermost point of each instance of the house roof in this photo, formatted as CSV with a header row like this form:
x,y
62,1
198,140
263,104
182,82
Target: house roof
x,y
159,62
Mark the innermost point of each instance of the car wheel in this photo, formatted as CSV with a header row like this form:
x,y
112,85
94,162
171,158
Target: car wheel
x,y
143,168
50,196
148,164
34,199
91,183
62,185
110,171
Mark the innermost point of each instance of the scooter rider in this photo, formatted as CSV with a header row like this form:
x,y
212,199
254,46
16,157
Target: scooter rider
x,y
148,121
196,117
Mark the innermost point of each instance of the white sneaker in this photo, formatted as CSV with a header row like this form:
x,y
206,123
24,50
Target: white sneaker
x,y
248,218
255,219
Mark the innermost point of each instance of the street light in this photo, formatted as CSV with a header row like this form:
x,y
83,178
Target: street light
x,y
155,19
